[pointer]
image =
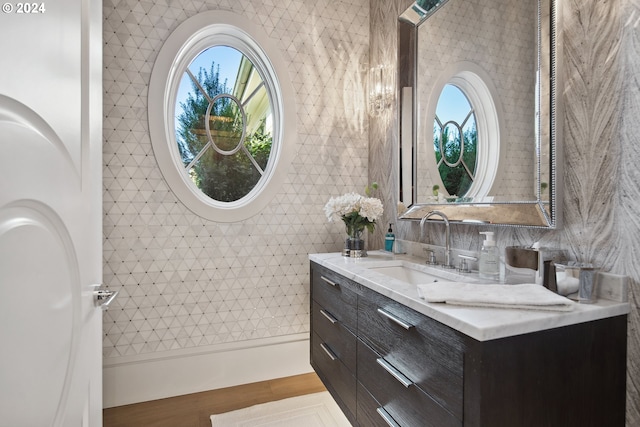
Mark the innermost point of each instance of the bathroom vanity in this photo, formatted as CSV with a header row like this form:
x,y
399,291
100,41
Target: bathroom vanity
x,y
390,358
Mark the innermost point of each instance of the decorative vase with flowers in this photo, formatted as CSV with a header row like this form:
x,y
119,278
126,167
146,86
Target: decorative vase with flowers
x,y
357,212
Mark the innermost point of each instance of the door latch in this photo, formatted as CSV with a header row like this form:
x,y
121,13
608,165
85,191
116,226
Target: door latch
x,y
104,297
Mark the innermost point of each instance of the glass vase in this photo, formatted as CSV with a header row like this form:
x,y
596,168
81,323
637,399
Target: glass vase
x,y
354,245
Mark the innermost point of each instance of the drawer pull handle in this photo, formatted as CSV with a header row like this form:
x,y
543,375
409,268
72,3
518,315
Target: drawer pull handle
x,y
395,373
329,352
395,320
329,316
330,282
387,417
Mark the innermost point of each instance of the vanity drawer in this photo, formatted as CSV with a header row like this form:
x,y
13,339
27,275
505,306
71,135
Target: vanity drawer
x,y
341,341
429,353
405,403
335,375
369,412
334,293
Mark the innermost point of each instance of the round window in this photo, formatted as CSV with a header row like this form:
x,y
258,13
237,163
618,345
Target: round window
x,y
466,135
224,124
220,127
455,141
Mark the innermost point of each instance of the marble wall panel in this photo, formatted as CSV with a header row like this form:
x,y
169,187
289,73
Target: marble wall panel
x,y
627,192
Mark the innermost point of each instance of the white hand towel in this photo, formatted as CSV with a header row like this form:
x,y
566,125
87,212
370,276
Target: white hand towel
x,y
527,296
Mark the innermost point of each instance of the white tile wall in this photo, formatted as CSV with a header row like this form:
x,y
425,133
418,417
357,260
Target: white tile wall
x,y
186,282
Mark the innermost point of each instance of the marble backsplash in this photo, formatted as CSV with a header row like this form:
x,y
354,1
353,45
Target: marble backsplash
x,y
601,65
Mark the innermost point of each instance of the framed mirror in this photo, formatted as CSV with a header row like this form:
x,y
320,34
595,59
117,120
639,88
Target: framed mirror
x,y
479,110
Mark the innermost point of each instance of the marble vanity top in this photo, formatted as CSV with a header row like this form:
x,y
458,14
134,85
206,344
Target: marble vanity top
x,y
480,323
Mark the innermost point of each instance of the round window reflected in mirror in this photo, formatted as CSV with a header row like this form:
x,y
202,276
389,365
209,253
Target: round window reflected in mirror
x,y
455,140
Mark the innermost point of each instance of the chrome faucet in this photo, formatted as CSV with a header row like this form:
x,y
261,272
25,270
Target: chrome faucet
x,y
447,235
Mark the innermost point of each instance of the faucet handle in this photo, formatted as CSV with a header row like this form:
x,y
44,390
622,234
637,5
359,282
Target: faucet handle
x,y
431,257
463,266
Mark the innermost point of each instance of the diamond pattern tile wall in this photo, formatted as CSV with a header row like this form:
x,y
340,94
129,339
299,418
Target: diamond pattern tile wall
x,y
186,282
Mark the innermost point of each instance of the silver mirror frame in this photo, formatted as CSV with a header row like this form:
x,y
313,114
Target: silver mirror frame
x,y
529,213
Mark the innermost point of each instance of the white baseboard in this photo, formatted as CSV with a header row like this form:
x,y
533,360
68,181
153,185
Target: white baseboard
x,y
144,378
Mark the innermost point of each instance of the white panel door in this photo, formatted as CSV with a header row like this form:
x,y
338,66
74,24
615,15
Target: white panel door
x,y
50,213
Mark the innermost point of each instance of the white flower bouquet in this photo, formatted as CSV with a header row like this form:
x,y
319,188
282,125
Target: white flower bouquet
x,y
355,210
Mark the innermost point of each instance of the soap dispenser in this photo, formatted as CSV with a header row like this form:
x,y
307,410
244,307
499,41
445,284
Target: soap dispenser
x,y
489,264
389,240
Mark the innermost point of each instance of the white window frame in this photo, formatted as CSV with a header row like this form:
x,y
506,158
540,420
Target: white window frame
x,y
488,128
187,41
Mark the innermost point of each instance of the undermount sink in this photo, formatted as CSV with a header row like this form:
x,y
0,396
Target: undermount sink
x,y
406,274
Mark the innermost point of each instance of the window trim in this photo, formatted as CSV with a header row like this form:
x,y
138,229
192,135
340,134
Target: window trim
x,y
488,131
187,41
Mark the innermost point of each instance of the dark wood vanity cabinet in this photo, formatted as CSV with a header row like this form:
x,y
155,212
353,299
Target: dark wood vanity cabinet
x,y
386,364
333,339
427,353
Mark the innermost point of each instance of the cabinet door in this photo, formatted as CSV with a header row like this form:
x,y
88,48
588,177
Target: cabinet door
x,y
573,376
338,379
429,353
334,293
408,405
341,341
370,411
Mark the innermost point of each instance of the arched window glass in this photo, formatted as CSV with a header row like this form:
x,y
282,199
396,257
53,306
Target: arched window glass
x,y
224,123
455,141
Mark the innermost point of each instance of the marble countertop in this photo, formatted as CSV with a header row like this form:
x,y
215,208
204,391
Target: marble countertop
x,y
482,324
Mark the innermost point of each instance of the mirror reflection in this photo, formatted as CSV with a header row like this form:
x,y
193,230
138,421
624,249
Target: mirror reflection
x,y
481,109
455,139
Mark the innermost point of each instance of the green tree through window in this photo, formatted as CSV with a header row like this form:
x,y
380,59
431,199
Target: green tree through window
x,y
226,157
457,180
455,141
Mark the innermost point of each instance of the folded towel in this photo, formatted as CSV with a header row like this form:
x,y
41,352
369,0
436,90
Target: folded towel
x,y
527,296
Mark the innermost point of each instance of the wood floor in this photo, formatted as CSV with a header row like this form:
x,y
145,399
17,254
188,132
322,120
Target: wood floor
x,y
194,410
